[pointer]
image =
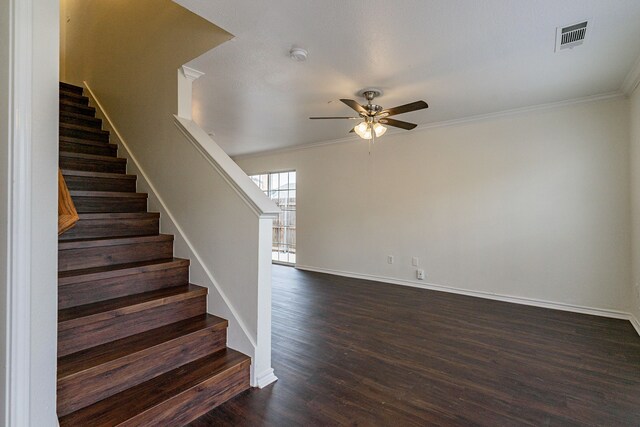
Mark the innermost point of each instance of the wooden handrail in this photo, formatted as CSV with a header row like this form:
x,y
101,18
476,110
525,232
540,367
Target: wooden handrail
x,y
67,214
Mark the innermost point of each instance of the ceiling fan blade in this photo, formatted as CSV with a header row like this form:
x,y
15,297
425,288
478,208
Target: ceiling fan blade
x,y
398,123
321,118
353,104
418,105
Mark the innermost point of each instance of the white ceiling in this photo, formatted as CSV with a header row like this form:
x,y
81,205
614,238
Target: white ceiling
x,y
464,57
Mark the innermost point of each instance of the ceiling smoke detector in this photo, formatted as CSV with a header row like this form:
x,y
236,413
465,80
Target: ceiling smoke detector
x,y
298,54
571,36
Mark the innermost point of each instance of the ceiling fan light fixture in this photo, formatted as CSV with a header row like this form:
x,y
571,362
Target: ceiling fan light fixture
x,y
379,129
363,130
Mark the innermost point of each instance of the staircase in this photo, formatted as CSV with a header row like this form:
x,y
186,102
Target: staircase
x,y
135,344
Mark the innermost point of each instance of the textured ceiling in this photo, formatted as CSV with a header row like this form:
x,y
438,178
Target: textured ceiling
x,y
464,57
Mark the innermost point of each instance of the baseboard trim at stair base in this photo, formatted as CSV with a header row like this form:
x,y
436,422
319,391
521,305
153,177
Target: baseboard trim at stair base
x,y
602,312
265,378
635,323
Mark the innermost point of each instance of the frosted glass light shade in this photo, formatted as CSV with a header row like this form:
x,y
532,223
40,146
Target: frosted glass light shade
x,y
363,130
379,129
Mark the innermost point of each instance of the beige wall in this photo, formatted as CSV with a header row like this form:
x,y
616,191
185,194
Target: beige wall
x,y
534,205
129,54
635,200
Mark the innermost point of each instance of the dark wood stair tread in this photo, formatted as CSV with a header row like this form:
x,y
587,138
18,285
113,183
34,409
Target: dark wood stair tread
x,y
68,87
93,374
119,215
92,174
90,358
149,395
64,115
103,310
87,180
97,273
112,241
126,194
92,157
88,129
113,224
91,142
90,201
72,95
84,131
90,111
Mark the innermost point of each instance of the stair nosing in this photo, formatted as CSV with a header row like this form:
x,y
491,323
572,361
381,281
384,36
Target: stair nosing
x,y
92,216
112,241
61,83
92,157
189,291
66,92
236,361
76,104
78,115
92,174
89,129
209,322
92,142
72,277
108,194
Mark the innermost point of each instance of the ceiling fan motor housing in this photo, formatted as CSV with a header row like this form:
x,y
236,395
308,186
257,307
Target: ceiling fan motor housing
x,y
369,93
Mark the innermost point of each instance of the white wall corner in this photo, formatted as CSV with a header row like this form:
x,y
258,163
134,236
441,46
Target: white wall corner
x,y
632,80
186,76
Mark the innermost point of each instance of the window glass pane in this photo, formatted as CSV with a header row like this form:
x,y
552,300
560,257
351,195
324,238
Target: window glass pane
x,y
281,188
292,180
283,181
274,182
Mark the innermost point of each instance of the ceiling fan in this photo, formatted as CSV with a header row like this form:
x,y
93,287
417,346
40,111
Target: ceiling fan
x,y
374,117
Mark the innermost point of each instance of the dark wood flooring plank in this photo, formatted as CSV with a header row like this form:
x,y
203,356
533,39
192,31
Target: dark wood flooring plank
x,y
355,352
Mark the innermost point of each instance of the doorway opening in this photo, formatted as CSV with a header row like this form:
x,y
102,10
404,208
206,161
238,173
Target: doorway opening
x,y
281,188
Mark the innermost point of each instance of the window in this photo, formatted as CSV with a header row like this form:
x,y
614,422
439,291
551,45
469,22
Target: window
x,y
281,188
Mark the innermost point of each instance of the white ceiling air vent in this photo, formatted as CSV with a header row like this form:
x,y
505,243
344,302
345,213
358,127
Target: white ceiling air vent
x,y
570,36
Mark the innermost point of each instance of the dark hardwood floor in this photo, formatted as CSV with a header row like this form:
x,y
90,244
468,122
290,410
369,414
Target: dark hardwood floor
x,y
353,352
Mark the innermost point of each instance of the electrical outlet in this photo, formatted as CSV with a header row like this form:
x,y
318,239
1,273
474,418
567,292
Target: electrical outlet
x,y
389,259
420,274
414,261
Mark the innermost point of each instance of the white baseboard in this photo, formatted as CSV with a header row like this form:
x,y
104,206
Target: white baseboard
x,y
265,378
602,312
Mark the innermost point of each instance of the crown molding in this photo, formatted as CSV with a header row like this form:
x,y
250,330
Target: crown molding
x,y
191,73
445,123
632,80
